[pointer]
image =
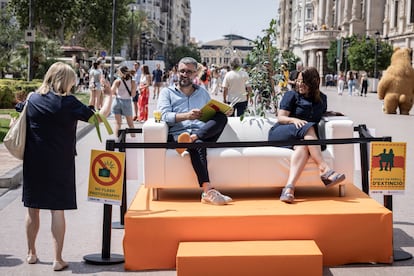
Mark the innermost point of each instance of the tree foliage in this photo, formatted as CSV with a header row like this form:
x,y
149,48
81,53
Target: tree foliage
x,y
174,54
358,53
82,22
265,60
362,56
10,36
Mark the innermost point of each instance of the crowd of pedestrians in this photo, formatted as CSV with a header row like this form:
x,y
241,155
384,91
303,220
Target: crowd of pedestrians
x,y
355,83
231,82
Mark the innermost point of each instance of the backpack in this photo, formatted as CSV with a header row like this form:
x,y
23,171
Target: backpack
x,y
204,76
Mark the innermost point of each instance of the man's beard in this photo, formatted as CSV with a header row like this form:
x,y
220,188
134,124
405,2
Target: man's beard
x,y
185,82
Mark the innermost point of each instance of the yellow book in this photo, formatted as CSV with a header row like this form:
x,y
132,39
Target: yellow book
x,y
210,109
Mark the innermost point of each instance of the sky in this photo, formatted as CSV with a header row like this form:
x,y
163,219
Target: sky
x,y
212,19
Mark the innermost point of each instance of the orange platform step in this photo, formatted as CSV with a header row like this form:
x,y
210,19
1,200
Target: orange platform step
x,y
350,229
288,257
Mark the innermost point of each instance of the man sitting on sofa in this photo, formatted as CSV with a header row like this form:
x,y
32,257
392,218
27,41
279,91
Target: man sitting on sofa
x,y
180,106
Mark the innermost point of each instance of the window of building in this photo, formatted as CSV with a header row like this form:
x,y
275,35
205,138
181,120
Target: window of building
x,y
309,13
412,12
396,14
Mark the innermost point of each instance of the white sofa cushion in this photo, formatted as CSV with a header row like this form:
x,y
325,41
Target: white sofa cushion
x,y
242,166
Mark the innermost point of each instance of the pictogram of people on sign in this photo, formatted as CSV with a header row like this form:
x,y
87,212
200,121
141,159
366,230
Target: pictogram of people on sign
x,y
386,161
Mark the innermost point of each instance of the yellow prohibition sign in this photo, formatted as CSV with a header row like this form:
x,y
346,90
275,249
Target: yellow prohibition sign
x,y
100,163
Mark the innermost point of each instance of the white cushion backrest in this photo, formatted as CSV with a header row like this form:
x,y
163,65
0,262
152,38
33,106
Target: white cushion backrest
x,y
250,129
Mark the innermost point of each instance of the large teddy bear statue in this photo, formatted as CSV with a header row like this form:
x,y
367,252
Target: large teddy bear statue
x,y
396,87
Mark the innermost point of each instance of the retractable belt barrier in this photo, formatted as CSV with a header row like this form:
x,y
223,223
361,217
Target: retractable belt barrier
x,y
122,145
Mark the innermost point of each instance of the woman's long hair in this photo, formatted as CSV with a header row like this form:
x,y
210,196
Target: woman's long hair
x,y
312,80
125,73
145,69
60,78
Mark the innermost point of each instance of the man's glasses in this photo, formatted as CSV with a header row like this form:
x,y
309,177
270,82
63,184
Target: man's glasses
x,y
188,72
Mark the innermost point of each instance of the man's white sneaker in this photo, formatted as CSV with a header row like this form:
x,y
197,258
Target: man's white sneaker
x,y
214,197
227,198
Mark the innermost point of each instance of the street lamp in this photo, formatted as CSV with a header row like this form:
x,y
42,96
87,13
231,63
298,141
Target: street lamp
x,y
144,43
30,41
131,48
377,37
346,45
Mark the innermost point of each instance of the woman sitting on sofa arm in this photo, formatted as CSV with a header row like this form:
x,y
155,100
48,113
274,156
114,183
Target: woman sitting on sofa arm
x,y
298,118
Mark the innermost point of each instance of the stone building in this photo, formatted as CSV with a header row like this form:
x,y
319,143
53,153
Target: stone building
x,y
307,27
219,52
170,21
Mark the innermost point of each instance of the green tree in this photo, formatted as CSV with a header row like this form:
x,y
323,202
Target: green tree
x,y
360,54
10,37
331,56
84,22
174,54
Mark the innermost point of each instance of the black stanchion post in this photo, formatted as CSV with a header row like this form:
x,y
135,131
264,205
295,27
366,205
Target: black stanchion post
x,y
363,147
106,258
122,148
122,208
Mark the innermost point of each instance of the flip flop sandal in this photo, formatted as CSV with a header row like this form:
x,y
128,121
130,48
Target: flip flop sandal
x,y
331,178
286,196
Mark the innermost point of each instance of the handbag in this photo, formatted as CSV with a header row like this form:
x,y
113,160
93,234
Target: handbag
x,y
15,139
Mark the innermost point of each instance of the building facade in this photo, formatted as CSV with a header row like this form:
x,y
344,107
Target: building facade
x,y
220,52
307,27
170,23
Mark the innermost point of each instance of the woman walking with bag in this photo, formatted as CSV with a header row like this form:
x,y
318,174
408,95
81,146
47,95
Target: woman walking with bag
x,y
125,90
49,156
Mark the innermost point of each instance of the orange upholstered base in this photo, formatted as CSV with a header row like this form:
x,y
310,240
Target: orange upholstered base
x,y
350,229
264,258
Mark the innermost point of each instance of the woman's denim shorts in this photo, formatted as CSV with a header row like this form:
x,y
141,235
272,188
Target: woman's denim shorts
x,y
122,107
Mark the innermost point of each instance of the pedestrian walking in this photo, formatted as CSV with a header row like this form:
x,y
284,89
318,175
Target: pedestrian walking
x,y
157,78
364,85
137,79
341,83
125,91
351,83
235,87
49,158
144,85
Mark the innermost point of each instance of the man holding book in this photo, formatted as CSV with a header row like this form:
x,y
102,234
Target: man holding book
x,y
181,107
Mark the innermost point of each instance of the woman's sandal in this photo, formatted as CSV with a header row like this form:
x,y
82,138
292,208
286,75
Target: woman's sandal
x,y
331,178
59,265
31,259
288,194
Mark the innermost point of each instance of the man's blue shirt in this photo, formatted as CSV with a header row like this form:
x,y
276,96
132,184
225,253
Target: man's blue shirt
x,y
172,101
